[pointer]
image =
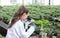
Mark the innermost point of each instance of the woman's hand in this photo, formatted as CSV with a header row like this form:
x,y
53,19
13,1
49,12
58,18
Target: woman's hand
x,y
29,22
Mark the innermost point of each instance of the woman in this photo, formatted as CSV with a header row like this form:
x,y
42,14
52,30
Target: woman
x,y
16,27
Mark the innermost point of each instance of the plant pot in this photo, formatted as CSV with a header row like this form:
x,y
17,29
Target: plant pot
x,y
1,19
48,34
57,36
39,36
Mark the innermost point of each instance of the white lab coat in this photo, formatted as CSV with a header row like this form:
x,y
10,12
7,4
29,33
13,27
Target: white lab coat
x,y
18,31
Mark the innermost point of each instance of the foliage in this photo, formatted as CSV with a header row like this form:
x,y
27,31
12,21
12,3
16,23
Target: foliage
x,y
7,13
58,25
37,12
40,22
1,36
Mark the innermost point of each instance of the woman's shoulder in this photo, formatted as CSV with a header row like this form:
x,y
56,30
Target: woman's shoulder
x,y
18,24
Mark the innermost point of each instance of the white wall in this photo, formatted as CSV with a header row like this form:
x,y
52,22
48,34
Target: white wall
x,y
5,2
26,2
56,2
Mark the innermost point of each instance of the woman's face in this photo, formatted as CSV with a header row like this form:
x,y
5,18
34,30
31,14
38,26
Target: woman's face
x,y
24,16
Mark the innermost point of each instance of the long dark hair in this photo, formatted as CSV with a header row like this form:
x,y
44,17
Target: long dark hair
x,y
17,15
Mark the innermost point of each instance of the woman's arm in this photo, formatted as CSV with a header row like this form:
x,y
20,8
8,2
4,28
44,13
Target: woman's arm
x,y
21,31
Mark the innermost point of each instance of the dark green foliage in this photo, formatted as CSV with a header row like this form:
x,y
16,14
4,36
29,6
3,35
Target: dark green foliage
x,y
7,13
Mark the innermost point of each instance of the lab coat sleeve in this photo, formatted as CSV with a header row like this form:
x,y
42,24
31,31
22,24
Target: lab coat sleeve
x,y
28,33
21,31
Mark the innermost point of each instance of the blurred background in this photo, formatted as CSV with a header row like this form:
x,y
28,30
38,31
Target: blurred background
x,y
46,14
27,2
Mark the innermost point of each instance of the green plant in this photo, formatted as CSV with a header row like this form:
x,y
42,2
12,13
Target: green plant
x,y
42,22
2,36
58,25
37,12
7,13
